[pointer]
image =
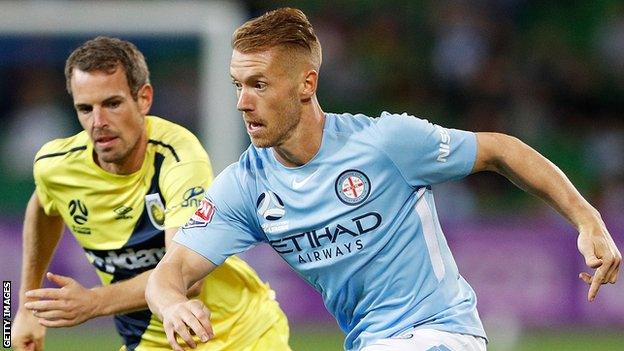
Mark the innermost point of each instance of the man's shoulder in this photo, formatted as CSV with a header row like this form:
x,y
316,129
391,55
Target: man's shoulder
x,y
250,162
347,123
162,126
241,174
373,131
59,150
395,124
174,141
356,123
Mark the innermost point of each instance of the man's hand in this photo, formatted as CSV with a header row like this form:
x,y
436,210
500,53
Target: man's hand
x,y
601,254
27,333
69,305
166,291
184,319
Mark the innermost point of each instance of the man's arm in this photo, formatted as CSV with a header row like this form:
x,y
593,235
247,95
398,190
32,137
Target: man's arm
x,y
166,295
535,174
72,303
41,234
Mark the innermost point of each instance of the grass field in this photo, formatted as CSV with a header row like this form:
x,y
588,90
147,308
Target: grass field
x,y
327,338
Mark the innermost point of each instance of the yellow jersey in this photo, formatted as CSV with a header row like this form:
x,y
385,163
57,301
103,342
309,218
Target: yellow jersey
x,y
119,220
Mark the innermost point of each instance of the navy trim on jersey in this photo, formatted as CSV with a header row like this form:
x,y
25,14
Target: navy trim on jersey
x,y
144,229
78,148
158,142
132,326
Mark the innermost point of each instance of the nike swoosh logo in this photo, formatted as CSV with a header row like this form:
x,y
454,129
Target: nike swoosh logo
x,y
298,184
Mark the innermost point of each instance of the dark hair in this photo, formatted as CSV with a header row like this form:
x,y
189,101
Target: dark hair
x,y
107,54
285,27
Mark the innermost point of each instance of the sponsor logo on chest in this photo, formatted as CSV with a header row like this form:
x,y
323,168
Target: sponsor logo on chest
x,y
352,188
126,259
332,241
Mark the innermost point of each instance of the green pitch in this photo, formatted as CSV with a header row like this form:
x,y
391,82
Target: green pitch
x,y
328,338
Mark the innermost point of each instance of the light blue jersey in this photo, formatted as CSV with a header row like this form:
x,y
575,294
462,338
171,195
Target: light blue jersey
x,y
358,222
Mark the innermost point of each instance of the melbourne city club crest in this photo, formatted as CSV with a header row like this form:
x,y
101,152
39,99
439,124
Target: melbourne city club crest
x,y
352,187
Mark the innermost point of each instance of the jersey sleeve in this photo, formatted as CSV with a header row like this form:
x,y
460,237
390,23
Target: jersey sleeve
x,y
426,153
223,225
183,187
41,189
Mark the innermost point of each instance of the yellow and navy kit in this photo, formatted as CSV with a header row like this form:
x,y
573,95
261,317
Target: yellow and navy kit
x,y
119,220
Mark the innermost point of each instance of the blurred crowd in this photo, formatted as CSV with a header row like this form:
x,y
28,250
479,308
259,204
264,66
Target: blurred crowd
x,y
550,73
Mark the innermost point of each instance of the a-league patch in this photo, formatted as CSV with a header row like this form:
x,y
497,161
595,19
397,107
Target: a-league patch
x,y
352,187
203,215
270,206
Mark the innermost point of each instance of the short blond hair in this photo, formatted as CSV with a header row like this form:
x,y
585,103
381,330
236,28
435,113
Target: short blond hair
x,y
285,27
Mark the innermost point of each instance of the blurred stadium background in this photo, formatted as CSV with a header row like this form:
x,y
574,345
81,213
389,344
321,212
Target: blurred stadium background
x,y
551,73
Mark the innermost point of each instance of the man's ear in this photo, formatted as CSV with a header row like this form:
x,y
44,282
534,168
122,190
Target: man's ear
x,y
310,84
145,96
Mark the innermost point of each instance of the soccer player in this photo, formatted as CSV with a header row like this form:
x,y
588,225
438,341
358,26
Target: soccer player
x,y
346,200
123,186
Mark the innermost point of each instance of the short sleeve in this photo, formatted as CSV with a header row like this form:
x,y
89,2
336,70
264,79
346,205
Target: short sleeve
x,y
223,225
46,201
426,153
183,187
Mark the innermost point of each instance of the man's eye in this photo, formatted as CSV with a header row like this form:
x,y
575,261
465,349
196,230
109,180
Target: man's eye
x,y
261,85
84,109
238,85
114,104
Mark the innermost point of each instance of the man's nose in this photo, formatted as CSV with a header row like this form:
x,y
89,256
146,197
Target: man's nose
x,y
100,119
244,100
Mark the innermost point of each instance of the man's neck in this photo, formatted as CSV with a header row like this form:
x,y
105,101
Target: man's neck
x,y
306,139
